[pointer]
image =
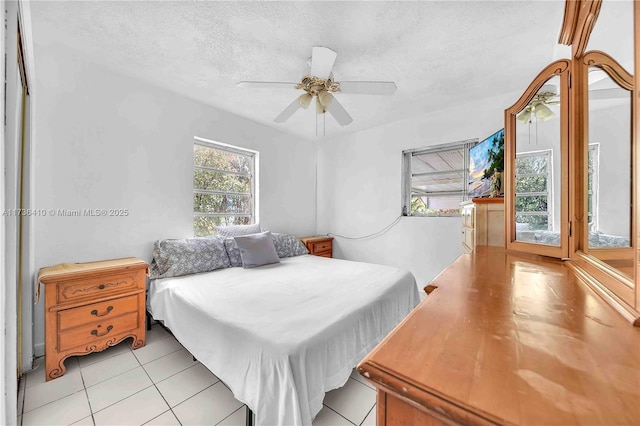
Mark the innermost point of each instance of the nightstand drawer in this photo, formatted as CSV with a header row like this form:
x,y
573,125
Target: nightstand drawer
x,y
320,247
98,311
91,288
85,335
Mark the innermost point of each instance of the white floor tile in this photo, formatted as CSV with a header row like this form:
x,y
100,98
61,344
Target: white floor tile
x,y
108,368
117,388
135,410
156,333
208,407
185,384
326,417
155,349
353,400
94,357
238,418
165,419
169,365
357,376
37,375
64,411
370,420
46,392
87,421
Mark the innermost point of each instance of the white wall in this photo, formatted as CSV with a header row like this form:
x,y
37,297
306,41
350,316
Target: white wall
x,y
359,188
610,127
108,141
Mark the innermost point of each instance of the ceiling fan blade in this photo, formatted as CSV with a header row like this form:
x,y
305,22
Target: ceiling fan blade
x,y
293,107
337,110
322,60
612,93
368,87
266,85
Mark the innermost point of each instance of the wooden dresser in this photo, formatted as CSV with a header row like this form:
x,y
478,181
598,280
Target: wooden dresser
x,y
90,307
319,246
508,339
482,223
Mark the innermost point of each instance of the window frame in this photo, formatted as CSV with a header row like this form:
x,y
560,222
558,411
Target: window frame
x,y
549,192
407,175
253,176
592,217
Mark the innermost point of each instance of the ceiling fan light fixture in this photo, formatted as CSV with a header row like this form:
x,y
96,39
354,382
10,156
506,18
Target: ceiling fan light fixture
x,y
324,98
305,100
320,109
524,116
543,112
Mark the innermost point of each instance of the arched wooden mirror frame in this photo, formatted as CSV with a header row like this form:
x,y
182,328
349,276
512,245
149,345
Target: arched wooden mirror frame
x,y
590,259
559,69
619,290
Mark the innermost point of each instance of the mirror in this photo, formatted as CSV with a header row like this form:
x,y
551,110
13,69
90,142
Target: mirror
x,y
607,231
609,172
613,31
537,167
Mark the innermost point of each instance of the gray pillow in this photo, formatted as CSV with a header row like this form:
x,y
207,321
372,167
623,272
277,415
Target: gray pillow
x,y
257,250
174,258
288,245
237,230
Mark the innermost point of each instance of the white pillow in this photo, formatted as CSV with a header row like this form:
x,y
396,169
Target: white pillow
x,y
237,230
257,249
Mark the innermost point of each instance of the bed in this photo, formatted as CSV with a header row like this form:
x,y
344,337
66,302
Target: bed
x,y
281,335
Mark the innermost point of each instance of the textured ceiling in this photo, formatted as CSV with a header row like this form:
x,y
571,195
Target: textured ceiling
x,y
439,53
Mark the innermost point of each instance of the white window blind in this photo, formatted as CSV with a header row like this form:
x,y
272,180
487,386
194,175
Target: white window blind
x,y
435,179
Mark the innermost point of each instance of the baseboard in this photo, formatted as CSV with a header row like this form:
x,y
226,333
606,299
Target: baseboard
x,y
38,350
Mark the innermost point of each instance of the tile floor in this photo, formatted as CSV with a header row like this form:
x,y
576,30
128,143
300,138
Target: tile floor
x,y
159,384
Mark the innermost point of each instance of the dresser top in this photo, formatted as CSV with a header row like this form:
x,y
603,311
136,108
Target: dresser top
x,y
517,340
56,271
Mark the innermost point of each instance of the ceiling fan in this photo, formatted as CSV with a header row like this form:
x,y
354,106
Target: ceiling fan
x,y
547,95
320,84
602,88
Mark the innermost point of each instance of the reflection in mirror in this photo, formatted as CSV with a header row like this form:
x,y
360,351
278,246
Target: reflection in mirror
x,y
537,198
609,171
613,31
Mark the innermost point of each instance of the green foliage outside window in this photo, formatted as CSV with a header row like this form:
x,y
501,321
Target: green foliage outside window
x,y
532,190
418,206
222,187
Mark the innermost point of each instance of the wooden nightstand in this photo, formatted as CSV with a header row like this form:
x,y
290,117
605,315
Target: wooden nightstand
x,y
90,307
319,246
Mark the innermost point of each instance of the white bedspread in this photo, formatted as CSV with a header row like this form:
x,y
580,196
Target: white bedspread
x,y
282,335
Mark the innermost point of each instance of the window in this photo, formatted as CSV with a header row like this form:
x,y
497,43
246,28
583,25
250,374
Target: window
x,y
435,179
533,191
224,186
592,186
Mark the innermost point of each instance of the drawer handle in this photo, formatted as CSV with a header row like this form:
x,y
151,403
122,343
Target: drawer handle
x,y
95,312
95,332
101,286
